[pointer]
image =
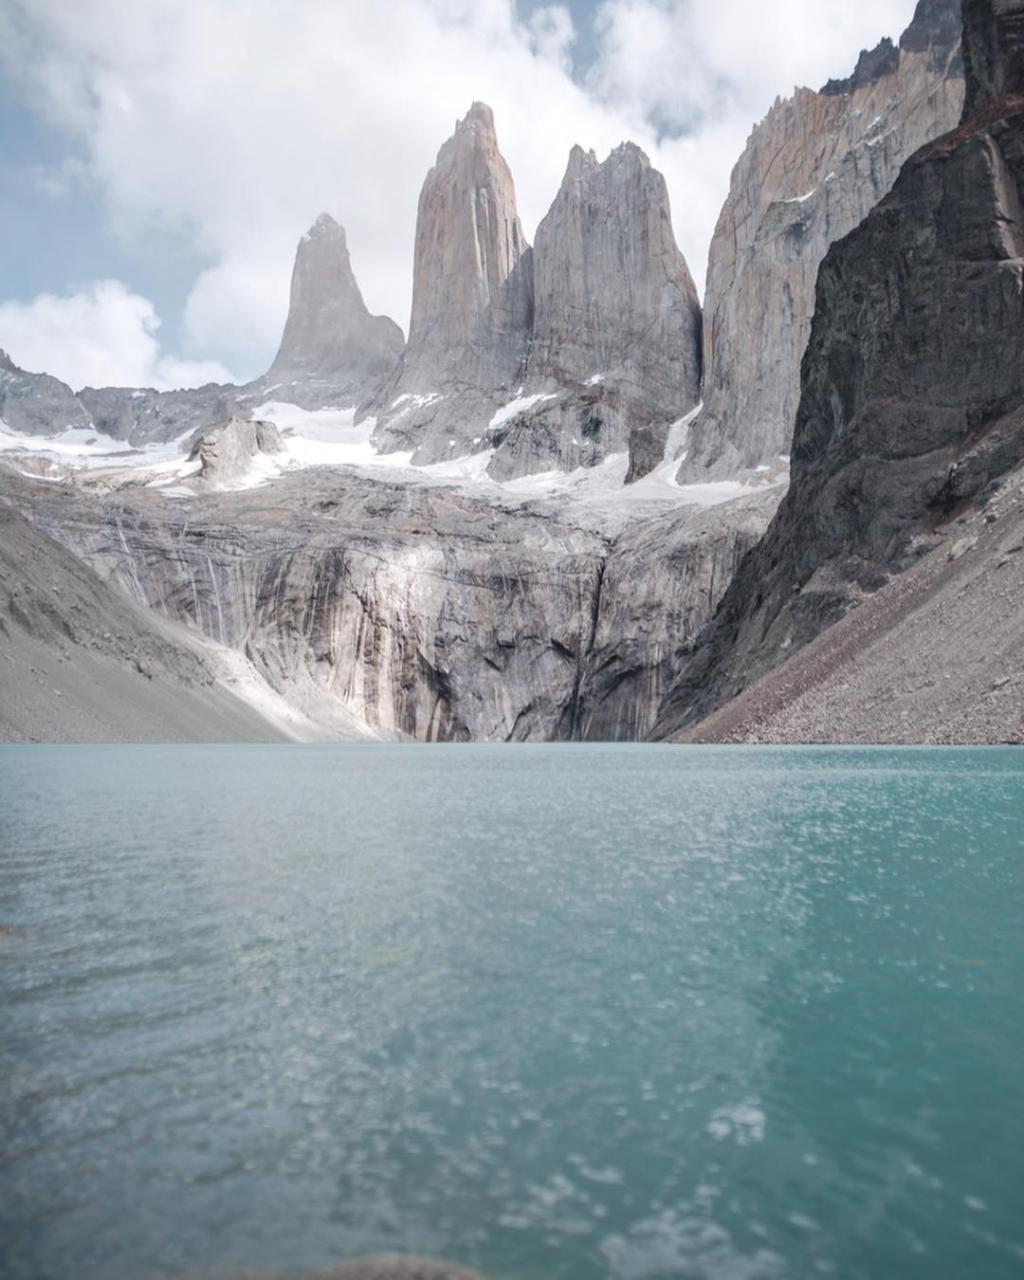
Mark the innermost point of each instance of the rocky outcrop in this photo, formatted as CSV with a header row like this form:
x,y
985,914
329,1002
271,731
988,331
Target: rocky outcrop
x,y
662,581
935,656
617,322
912,405
227,453
811,171
333,350
79,662
472,307
36,403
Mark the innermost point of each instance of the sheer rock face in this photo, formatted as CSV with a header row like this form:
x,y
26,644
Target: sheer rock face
x,y
472,307
811,172
415,610
616,333
912,406
331,346
994,48
36,403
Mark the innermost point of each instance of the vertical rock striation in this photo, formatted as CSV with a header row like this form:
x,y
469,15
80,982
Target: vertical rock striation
x,y
472,307
812,170
616,335
912,405
331,344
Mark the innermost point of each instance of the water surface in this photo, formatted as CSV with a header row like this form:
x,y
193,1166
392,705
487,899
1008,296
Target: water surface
x,y
562,1013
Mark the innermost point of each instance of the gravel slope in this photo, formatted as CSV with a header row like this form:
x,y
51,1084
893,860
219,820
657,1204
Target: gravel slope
x,y
80,663
936,656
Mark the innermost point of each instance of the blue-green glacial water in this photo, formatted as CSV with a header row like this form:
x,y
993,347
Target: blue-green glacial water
x,y
561,1013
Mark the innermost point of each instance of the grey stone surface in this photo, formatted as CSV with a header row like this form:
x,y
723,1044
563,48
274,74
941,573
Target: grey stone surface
x,y
417,610
36,403
617,322
912,407
80,662
811,171
935,656
227,452
333,351
472,307
143,416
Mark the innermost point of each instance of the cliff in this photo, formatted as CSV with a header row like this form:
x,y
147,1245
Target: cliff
x,y
912,408
811,172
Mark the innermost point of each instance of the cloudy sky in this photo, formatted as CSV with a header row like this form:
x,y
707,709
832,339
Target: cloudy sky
x,y
160,158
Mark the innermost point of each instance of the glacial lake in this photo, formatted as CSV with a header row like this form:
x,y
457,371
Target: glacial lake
x,y
560,1013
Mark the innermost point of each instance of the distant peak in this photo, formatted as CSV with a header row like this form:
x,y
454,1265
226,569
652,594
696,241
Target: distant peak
x,y
325,228
631,153
6,363
479,114
580,161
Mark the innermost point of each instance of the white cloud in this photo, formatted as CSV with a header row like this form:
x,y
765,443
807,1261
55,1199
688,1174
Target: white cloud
x,y
237,125
102,336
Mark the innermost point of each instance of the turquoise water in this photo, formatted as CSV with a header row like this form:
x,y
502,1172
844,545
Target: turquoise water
x,y
559,1012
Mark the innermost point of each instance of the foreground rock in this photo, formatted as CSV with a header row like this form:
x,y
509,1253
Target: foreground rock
x,y
811,172
912,409
615,350
472,307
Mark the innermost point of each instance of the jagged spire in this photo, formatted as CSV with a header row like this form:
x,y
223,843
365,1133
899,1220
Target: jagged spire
x,y
330,334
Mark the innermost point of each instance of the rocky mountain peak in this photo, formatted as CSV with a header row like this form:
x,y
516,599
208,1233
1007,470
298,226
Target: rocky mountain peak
x,y
993,52
325,228
479,116
811,172
7,364
872,65
580,163
330,335
616,335
468,243
472,305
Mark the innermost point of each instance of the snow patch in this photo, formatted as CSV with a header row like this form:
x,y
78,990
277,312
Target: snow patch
x,y
514,408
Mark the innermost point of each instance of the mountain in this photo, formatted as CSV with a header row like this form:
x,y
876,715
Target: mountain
x,y
82,663
472,307
911,418
36,403
332,351
615,348
811,171
551,358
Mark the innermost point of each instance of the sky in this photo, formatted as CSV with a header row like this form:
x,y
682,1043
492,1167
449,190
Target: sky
x,y
159,159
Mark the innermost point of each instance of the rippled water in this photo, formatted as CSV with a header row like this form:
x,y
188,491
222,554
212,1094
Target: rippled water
x,y
562,1013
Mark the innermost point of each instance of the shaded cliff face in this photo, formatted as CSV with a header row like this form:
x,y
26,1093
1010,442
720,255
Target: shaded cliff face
x,y
616,320
811,172
472,307
913,384
330,338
